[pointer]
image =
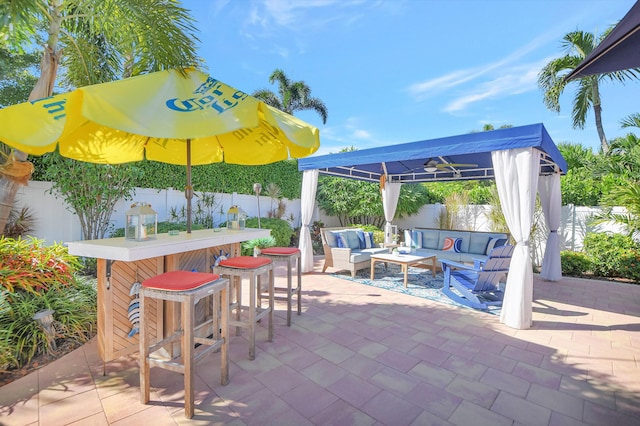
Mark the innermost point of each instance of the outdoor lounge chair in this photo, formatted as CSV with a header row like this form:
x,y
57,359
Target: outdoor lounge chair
x,y
477,286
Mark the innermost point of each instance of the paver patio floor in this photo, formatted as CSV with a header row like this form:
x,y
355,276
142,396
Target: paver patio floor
x,y
359,355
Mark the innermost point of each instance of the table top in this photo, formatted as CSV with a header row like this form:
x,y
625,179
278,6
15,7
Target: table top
x,y
401,258
162,245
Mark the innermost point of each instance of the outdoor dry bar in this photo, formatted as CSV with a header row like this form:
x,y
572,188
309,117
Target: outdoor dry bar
x,y
122,263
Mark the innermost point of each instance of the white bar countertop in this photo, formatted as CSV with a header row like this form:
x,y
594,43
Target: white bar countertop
x,y
163,245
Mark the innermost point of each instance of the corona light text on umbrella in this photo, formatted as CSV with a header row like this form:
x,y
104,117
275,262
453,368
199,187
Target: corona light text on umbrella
x,y
175,117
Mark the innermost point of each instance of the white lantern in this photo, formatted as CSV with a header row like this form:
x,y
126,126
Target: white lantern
x,y
236,218
142,223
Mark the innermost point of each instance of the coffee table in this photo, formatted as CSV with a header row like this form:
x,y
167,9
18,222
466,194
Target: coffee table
x,y
404,260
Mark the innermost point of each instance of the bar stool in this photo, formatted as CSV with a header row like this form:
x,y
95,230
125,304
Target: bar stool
x,y
290,255
187,288
236,269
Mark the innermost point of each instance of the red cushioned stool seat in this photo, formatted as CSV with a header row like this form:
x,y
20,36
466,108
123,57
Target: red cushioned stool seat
x,y
245,262
290,255
179,280
186,288
280,250
246,316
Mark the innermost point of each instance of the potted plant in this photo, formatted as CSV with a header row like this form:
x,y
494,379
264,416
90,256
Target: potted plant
x,y
254,247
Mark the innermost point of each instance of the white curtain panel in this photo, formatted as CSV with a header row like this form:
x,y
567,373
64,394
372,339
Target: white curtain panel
x,y
516,174
307,204
390,196
551,200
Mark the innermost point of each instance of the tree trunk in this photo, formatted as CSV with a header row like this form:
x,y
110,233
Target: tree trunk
x,y
597,113
10,183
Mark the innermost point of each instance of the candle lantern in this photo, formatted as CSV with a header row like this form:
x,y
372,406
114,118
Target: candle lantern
x,y
142,223
236,218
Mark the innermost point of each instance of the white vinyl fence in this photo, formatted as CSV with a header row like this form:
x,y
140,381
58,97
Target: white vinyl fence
x,y
55,223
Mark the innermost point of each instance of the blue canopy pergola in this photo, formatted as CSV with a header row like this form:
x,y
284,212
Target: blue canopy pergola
x,y
523,161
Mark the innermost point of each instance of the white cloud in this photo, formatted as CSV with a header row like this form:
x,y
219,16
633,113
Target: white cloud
x,y
512,81
361,134
502,71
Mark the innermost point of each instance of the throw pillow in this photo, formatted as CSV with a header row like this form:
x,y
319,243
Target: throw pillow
x,y
340,240
493,243
366,239
416,239
452,244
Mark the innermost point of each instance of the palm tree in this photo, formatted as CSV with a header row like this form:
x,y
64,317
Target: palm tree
x,y
632,120
94,41
551,79
292,96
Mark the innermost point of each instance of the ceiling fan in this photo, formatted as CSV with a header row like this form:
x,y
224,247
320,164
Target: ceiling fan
x,y
431,165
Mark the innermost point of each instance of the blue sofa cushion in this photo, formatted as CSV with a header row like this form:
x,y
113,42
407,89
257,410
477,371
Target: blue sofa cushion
x,y
430,239
480,240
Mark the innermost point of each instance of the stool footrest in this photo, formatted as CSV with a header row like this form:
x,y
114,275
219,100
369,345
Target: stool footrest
x,y
175,337
260,313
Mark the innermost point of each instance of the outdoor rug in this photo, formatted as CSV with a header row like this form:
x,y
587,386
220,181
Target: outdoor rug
x,y
420,283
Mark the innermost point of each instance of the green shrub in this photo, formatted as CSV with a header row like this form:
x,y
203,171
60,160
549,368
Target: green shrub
x,y
630,265
613,255
575,263
74,305
36,277
280,229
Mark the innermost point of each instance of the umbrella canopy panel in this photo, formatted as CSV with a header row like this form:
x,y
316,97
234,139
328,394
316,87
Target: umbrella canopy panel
x,y
153,116
179,117
620,50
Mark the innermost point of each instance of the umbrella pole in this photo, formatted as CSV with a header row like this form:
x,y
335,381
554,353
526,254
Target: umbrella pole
x,y
188,191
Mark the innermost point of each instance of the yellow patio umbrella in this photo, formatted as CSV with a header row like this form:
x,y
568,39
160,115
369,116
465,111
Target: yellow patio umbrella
x,y
186,118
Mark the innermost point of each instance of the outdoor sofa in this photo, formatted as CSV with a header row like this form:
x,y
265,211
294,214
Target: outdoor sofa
x,y
458,246
348,249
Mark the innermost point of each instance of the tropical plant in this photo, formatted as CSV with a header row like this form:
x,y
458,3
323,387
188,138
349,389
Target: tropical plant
x,y
632,120
627,195
74,308
16,76
274,192
29,266
453,216
496,218
20,223
551,80
90,190
621,165
249,247
354,201
576,155
292,96
93,41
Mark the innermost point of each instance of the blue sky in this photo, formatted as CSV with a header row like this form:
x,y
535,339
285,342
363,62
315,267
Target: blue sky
x,y
400,71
